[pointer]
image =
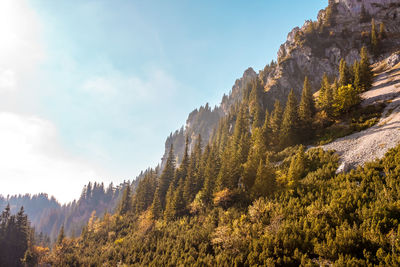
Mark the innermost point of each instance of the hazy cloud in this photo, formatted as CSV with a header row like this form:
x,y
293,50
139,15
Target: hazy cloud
x,y
32,159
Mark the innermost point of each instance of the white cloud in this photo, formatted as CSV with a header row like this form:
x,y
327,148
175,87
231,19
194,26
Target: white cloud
x,y
7,80
32,159
156,86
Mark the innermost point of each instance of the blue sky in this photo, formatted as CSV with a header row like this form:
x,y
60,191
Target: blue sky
x,y
94,87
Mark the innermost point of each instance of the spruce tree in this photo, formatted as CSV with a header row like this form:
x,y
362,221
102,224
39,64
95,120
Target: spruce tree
x,y
382,32
366,74
256,153
290,122
167,176
156,208
306,110
347,97
266,129
60,236
296,168
326,97
357,78
275,122
344,73
125,205
264,183
255,103
210,173
374,38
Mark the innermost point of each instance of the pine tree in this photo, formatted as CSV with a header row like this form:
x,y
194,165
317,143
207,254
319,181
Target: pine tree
x,y
290,126
256,153
194,180
169,212
374,38
167,176
266,129
264,184
125,205
254,103
275,122
156,208
366,74
382,32
61,235
326,97
357,78
306,110
344,74
176,204
347,97
211,171
296,168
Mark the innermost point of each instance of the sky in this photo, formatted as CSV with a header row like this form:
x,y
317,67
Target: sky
x,y
89,90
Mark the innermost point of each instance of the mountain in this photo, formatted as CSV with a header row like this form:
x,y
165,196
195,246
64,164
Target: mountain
x,y
299,165
311,50
47,215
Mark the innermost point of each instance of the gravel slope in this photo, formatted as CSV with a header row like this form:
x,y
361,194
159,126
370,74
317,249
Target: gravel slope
x,y
374,142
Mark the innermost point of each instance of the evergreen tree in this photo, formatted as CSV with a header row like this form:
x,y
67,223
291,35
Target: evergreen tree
x,y
264,184
256,153
347,97
290,126
366,74
210,173
357,78
156,208
236,153
275,122
266,129
306,110
344,73
125,205
374,38
182,170
194,181
382,32
326,97
61,235
296,168
167,176
176,204
255,103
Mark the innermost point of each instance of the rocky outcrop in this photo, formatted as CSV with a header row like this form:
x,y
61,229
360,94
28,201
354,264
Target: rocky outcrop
x,y
317,47
312,50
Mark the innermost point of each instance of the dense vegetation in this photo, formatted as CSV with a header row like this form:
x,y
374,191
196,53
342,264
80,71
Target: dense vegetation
x,y
313,217
47,215
16,239
253,196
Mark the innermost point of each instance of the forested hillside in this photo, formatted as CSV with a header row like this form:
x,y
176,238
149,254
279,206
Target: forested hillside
x,y
255,196
47,215
314,49
247,183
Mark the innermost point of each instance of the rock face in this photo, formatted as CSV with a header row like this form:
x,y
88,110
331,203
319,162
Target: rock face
x,y
312,50
317,47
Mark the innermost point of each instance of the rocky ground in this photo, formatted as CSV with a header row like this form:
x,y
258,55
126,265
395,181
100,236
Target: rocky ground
x,y
374,142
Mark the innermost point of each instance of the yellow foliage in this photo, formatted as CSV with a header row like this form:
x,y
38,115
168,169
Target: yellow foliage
x,y
119,241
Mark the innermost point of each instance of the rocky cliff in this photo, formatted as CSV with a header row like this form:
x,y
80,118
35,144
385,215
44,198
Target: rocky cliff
x,y
312,50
